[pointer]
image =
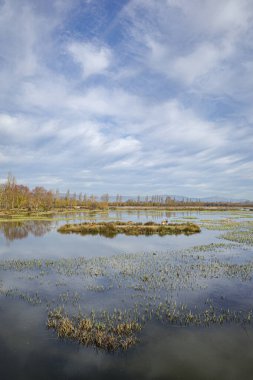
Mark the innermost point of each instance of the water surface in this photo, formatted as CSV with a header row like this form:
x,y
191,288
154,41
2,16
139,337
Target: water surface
x,y
41,269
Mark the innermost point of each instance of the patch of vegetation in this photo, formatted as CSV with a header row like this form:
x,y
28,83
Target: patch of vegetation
x,y
225,224
143,286
111,229
89,331
118,331
243,237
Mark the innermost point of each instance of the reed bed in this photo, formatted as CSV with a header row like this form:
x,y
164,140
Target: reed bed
x,y
108,335
111,229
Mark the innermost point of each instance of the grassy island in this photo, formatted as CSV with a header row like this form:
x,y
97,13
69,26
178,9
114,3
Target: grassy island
x,y
111,229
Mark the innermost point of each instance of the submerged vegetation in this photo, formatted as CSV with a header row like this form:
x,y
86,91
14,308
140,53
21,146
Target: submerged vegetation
x,y
151,286
244,237
107,302
111,229
118,331
109,334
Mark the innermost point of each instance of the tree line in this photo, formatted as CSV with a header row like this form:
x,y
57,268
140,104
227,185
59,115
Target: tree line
x,y
15,196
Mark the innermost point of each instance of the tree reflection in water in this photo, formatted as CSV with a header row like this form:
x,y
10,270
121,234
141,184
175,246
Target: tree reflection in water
x,y
20,230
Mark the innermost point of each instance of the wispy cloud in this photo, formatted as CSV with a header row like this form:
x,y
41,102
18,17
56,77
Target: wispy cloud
x,y
141,97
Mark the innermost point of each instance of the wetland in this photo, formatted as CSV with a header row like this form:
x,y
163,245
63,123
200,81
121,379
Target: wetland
x,y
96,305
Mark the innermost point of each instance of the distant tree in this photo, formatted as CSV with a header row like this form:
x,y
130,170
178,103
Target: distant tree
x,y
67,198
80,198
105,198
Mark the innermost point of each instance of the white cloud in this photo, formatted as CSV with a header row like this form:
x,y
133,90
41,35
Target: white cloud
x,y
199,62
215,17
157,121
93,59
196,43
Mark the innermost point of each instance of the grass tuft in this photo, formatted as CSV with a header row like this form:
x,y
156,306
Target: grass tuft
x,y
111,229
89,332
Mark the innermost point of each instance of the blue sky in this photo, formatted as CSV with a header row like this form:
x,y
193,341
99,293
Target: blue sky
x,y
130,97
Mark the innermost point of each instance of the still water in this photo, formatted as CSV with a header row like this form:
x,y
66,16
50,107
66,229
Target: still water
x,y
40,269
40,239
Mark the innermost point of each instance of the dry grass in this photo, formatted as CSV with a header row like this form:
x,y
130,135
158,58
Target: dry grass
x,y
89,332
111,229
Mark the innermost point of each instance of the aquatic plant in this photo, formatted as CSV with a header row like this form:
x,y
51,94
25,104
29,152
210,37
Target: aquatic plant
x,y
111,229
106,335
144,286
243,237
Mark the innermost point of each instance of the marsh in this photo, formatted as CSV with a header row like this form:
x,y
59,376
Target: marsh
x,y
172,305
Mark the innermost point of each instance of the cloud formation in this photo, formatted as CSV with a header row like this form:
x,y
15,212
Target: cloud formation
x,y
131,97
93,59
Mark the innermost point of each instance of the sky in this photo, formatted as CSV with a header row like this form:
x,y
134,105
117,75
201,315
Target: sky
x,y
130,97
